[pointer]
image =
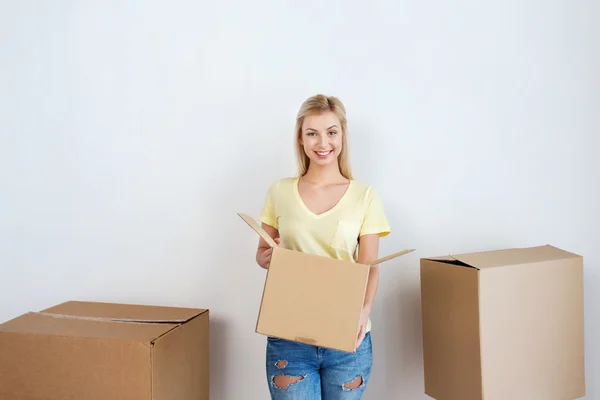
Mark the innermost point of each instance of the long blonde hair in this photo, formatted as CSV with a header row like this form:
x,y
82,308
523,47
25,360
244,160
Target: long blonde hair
x,y
316,105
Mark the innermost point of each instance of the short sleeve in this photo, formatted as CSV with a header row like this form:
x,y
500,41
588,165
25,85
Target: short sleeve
x,y
375,221
267,214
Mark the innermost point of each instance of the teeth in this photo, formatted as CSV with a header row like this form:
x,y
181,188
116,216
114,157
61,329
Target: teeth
x,y
323,153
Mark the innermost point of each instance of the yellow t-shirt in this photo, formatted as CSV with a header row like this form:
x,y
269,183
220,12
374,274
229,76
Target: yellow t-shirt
x,y
333,233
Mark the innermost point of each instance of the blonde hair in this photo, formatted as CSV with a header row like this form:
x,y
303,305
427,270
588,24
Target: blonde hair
x,y
316,105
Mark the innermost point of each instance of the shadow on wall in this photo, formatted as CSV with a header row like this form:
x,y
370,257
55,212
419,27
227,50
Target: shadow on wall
x,y
397,332
398,362
218,355
218,200
235,189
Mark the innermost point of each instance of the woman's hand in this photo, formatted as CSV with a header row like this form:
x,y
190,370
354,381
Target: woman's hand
x,y
263,258
364,319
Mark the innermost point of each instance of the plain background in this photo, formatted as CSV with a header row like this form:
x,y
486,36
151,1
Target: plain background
x,y
133,131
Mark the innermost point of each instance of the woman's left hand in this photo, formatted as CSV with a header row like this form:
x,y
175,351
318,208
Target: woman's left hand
x,y
364,318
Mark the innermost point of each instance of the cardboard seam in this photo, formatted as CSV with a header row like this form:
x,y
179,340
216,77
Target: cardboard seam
x,y
480,332
175,327
117,320
149,343
465,264
152,373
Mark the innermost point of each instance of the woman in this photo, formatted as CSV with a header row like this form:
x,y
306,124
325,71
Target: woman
x,y
323,211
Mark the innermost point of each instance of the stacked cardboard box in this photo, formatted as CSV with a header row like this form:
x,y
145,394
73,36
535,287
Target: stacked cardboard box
x,y
504,324
85,350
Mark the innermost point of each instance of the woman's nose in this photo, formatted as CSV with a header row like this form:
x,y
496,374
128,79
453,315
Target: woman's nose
x,y
324,140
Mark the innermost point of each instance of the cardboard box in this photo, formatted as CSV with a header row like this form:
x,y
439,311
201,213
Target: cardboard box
x,y
83,350
312,299
505,324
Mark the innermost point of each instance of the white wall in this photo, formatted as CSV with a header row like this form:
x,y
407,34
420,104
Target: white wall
x,y
132,132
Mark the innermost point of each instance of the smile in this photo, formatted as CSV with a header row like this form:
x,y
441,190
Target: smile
x,y
324,153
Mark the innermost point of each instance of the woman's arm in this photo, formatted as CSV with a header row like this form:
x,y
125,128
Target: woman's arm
x,y
368,251
263,253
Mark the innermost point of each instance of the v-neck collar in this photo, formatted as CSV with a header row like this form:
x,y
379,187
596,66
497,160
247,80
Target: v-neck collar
x,y
325,213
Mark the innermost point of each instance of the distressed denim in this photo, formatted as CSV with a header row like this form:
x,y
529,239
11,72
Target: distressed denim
x,y
320,374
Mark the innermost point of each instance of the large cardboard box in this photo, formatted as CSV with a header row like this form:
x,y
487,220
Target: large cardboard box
x,y
85,350
505,324
312,299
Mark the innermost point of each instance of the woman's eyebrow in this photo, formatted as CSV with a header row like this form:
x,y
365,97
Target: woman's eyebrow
x,y
312,129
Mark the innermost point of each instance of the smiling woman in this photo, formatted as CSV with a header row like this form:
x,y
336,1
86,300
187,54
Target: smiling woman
x,y
323,142
323,211
321,130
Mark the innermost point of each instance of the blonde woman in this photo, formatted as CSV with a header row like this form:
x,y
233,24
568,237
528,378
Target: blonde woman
x,y
323,211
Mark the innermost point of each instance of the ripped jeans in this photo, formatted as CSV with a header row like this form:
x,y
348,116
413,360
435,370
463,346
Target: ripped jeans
x,y
298,371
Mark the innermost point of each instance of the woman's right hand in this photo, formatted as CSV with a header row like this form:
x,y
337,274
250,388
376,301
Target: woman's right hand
x,y
263,257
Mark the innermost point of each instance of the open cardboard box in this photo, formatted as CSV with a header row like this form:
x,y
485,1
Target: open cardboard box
x,y
312,299
504,324
90,350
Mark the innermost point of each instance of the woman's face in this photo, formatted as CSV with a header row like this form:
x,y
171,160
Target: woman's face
x,y
321,138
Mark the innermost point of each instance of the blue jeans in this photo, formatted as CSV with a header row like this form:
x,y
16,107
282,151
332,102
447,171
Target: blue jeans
x,y
313,373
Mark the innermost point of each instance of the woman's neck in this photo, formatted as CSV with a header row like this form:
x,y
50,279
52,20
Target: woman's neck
x,y
324,175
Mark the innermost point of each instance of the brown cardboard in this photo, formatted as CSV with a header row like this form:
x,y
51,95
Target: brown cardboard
x,y
312,299
87,350
504,324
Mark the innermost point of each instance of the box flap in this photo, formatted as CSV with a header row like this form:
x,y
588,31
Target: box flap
x,y
83,327
390,257
258,229
517,256
124,312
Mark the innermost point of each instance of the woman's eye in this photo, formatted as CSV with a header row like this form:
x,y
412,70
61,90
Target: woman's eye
x,y
332,132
